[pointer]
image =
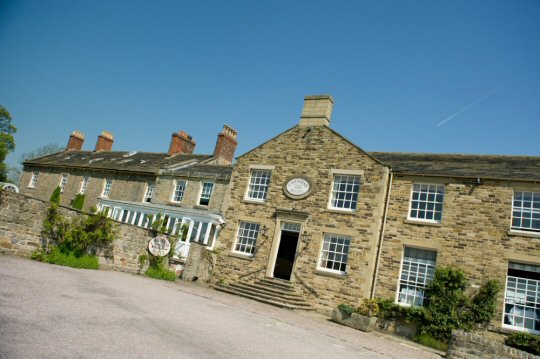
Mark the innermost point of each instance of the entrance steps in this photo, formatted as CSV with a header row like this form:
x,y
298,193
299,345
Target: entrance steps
x,y
272,291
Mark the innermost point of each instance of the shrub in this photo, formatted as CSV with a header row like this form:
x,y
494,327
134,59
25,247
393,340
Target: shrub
x,y
55,196
78,201
431,342
369,307
524,341
56,256
161,273
347,308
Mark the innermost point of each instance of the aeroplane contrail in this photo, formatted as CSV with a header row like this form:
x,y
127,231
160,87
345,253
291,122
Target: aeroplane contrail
x,y
475,102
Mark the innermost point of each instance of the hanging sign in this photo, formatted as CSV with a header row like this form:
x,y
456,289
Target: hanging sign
x,y
159,246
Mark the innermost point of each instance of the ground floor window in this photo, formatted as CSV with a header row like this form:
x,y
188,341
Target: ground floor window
x,y
247,237
335,252
417,270
522,297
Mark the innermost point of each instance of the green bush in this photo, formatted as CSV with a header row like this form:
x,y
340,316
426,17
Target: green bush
x,y
55,196
347,308
56,256
431,342
78,201
160,273
524,341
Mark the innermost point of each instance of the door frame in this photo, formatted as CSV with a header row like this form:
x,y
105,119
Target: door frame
x,y
276,242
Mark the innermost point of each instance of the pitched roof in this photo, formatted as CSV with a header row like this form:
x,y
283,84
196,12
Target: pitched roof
x,y
458,165
201,170
146,162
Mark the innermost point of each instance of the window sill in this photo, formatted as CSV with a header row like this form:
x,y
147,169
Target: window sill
x,y
252,201
422,223
248,257
341,211
200,206
330,274
515,232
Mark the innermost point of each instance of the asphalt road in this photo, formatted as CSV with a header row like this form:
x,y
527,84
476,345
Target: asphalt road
x,y
48,311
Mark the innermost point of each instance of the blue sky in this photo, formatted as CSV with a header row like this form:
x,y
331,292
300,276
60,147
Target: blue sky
x,y
397,69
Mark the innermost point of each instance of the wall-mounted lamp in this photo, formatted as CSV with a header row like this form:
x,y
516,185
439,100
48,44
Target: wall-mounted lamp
x,y
264,230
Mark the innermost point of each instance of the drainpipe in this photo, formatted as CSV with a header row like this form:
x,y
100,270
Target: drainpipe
x,y
381,236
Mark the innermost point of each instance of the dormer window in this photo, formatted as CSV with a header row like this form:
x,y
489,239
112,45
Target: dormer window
x,y
206,193
149,192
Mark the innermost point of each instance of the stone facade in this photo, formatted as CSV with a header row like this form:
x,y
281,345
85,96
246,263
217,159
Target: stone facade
x,y
474,234
21,222
475,346
126,186
316,153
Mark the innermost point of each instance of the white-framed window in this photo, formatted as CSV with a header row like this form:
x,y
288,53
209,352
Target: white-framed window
x,y
107,187
427,202
206,193
345,191
259,182
334,253
526,211
417,271
34,179
84,184
522,298
149,192
179,189
63,181
246,239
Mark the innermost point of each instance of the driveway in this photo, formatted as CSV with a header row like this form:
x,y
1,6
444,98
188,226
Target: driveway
x,y
48,311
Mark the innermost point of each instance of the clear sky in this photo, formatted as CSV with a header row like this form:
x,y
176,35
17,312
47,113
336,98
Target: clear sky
x,y
410,76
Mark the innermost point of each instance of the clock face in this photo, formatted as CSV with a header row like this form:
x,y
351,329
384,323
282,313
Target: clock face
x,y
297,186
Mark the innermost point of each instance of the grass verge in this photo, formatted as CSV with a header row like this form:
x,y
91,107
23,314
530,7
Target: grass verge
x,y
161,273
67,259
431,342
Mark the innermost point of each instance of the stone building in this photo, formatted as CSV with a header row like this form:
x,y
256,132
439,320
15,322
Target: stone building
x,y
313,219
135,187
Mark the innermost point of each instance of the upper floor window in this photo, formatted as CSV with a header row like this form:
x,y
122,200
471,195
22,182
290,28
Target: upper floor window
x,y
34,180
179,189
247,237
84,184
526,211
258,185
417,271
345,191
63,181
427,202
107,188
522,297
149,192
206,193
335,252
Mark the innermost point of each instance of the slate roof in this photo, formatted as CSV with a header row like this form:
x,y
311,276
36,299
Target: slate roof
x,y
458,165
201,170
144,162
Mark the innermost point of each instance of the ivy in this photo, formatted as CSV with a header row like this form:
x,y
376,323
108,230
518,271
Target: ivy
x,y
55,196
78,201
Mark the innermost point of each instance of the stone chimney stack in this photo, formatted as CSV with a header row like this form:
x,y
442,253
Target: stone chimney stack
x,y
104,141
226,145
317,110
76,140
181,143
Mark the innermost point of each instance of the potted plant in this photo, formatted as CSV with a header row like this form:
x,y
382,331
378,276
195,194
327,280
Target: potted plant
x,y
365,318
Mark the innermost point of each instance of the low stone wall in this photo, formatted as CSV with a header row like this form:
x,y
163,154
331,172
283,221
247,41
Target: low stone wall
x,y
475,346
21,220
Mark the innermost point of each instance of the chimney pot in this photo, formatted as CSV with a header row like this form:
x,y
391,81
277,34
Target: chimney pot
x,y
317,110
226,144
181,143
105,141
76,140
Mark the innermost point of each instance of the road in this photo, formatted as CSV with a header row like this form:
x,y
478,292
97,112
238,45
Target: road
x,y
48,311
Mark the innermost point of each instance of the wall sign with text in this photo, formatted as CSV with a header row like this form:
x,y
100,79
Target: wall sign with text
x,y
298,187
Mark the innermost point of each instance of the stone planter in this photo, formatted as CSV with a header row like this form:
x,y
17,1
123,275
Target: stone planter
x,y
399,327
355,320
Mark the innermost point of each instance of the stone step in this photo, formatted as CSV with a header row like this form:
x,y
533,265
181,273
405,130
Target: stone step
x,y
276,283
271,290
280,304
296,300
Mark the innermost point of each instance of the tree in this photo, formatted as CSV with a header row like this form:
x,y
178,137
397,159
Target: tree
x,y
14,172
7,142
